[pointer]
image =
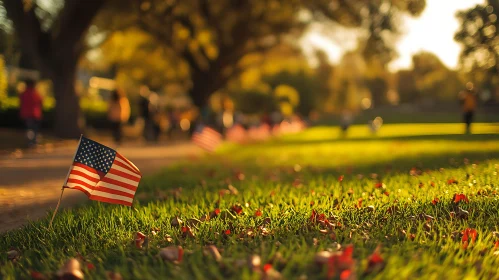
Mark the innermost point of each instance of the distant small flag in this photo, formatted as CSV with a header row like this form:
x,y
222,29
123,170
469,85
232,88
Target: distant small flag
x,y
207,138
103,174
236,134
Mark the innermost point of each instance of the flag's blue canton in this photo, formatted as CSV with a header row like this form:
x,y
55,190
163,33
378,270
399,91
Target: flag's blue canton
x,y
95,155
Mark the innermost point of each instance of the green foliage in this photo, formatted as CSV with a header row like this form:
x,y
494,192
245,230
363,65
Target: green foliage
x,y
211,37
479,36
429,78
286,179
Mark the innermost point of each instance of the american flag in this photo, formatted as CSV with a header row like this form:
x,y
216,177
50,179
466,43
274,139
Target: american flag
x,y
207,138
103,174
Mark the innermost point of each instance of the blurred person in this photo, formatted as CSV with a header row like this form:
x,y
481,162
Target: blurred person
x,y
31,111
469,103
144,111
155,116
118,113
345,121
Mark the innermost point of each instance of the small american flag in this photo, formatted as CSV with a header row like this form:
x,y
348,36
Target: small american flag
x,y
207,138
103,174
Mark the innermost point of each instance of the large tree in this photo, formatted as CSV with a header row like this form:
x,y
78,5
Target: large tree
x,y
52,37
212,36
479,35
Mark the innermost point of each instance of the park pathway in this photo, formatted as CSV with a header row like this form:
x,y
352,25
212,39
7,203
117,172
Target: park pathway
x,y
30,183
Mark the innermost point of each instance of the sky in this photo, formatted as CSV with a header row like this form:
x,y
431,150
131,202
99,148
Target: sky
x,y
432,31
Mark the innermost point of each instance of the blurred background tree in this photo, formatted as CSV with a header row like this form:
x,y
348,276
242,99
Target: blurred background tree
x,y
51,38
213,36
479,36
200,46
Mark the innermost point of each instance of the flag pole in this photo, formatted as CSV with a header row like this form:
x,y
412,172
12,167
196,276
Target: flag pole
x,y
64,185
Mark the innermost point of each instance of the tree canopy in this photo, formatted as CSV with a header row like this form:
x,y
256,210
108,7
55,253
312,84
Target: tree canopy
x,y
212,36
479,36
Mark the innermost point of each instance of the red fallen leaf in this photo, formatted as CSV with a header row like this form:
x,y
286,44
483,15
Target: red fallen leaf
x,y
460,197
435,201
140,239
237,209
359,203
496,245
312,203
452,181
258,213
90,266
321,218
432,183
35,275
341,262
186,231
217,211
180,254
469,233
227,232
378,185
267,267
345,274
313,216
340,179
386,193
375,262
239,175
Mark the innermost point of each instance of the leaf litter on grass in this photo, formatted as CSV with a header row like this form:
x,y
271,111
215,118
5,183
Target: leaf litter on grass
x,y
427,224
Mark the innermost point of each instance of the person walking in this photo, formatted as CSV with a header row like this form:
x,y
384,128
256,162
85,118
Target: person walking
x,y
31,111
469,104
118,114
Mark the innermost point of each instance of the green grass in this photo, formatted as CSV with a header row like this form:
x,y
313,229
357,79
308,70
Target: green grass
x,y
286,179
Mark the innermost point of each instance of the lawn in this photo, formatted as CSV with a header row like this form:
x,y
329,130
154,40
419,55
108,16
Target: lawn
x,y
313,205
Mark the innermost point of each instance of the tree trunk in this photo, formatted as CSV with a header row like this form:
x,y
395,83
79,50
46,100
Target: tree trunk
x,y
67,108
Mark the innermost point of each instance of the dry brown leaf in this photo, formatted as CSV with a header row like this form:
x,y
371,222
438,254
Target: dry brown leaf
x,y
70,270
213,251
172,254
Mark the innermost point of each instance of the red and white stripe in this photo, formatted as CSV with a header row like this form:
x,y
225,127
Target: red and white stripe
x,y
118,186
207,139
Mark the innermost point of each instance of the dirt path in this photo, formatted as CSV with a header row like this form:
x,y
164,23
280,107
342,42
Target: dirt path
x,y
30,184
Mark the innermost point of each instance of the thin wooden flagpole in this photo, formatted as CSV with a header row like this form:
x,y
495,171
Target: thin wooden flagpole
x,y
64,184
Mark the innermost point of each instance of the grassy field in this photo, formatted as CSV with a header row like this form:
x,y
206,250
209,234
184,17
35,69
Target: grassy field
x,y
424,195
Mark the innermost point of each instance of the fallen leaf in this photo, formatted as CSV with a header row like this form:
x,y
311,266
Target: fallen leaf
x,y
254,262
13,255
435,201
141,240
340,262
375,262
460,197
258,213
213,251
176,221
70,270
172,254
35,275
233,190
111,275
237,209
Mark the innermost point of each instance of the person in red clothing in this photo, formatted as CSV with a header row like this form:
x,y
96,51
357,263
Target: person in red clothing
x,y
31,111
